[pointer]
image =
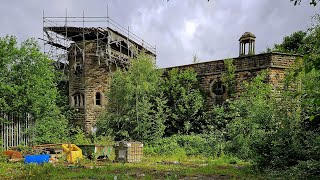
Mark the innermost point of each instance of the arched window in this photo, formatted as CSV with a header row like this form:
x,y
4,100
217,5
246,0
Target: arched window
x,y
78,100
98,99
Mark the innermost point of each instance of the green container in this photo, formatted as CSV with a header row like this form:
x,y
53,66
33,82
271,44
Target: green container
x,y
96,151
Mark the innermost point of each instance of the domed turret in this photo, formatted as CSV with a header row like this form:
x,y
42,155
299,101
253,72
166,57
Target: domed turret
x,y
247,37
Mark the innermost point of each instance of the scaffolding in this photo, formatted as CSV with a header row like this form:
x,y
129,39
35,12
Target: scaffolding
x,y
113,43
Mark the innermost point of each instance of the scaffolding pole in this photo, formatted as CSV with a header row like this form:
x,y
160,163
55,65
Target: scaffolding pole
x,y
62,33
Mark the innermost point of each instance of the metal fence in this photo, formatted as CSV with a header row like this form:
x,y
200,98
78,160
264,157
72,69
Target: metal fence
x,y
15,130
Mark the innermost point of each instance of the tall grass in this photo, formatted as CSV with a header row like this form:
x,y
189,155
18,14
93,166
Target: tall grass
x,y
186,145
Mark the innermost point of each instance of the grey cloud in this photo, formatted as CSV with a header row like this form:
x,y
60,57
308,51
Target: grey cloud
x,y
218,24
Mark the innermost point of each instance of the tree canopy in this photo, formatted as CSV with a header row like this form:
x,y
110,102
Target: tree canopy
x,y
27,85
146,104
135,107
305,43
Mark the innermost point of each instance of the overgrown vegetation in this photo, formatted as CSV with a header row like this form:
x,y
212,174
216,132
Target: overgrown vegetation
x,y
280,131
185,145
27,85
136,109
276,131
145,106
185,101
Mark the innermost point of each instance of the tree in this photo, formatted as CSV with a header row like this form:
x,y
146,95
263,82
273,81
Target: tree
x,y
292,44
136,108
27,85
304,43
181,89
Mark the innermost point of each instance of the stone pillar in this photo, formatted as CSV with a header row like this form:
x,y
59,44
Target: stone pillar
x,y
242,47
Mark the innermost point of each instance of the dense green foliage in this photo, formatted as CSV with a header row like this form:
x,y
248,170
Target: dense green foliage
x,y
201,144
185,101
304,43
143,105
136,109
292,43
276,131
27,85
281,130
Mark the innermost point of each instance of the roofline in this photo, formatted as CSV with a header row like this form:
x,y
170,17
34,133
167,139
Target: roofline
x,y
261,54
56,29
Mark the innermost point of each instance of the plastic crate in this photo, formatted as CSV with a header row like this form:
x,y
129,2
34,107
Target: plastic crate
x,y
128,151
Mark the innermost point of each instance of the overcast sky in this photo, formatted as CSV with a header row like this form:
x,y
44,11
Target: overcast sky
x,y
178,28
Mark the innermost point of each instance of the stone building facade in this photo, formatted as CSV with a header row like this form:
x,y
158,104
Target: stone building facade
x,y
247,67
87,86
89,76
92,60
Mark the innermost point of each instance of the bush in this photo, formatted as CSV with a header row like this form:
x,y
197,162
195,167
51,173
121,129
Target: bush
x,y
163,146
205,145
271,130
308,169
79,137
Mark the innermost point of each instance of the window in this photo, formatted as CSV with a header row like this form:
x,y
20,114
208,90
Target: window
x,y
78,69
217,91
218,88
78,100
98,99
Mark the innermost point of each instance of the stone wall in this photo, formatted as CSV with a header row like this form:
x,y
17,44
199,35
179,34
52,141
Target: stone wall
x,y
247,67
95,78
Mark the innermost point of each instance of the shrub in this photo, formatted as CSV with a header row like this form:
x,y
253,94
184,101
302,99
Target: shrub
x,y
79,137
205,145
307,169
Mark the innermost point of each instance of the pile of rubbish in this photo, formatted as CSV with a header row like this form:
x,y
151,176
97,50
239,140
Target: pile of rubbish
x,y
124,151
46,153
